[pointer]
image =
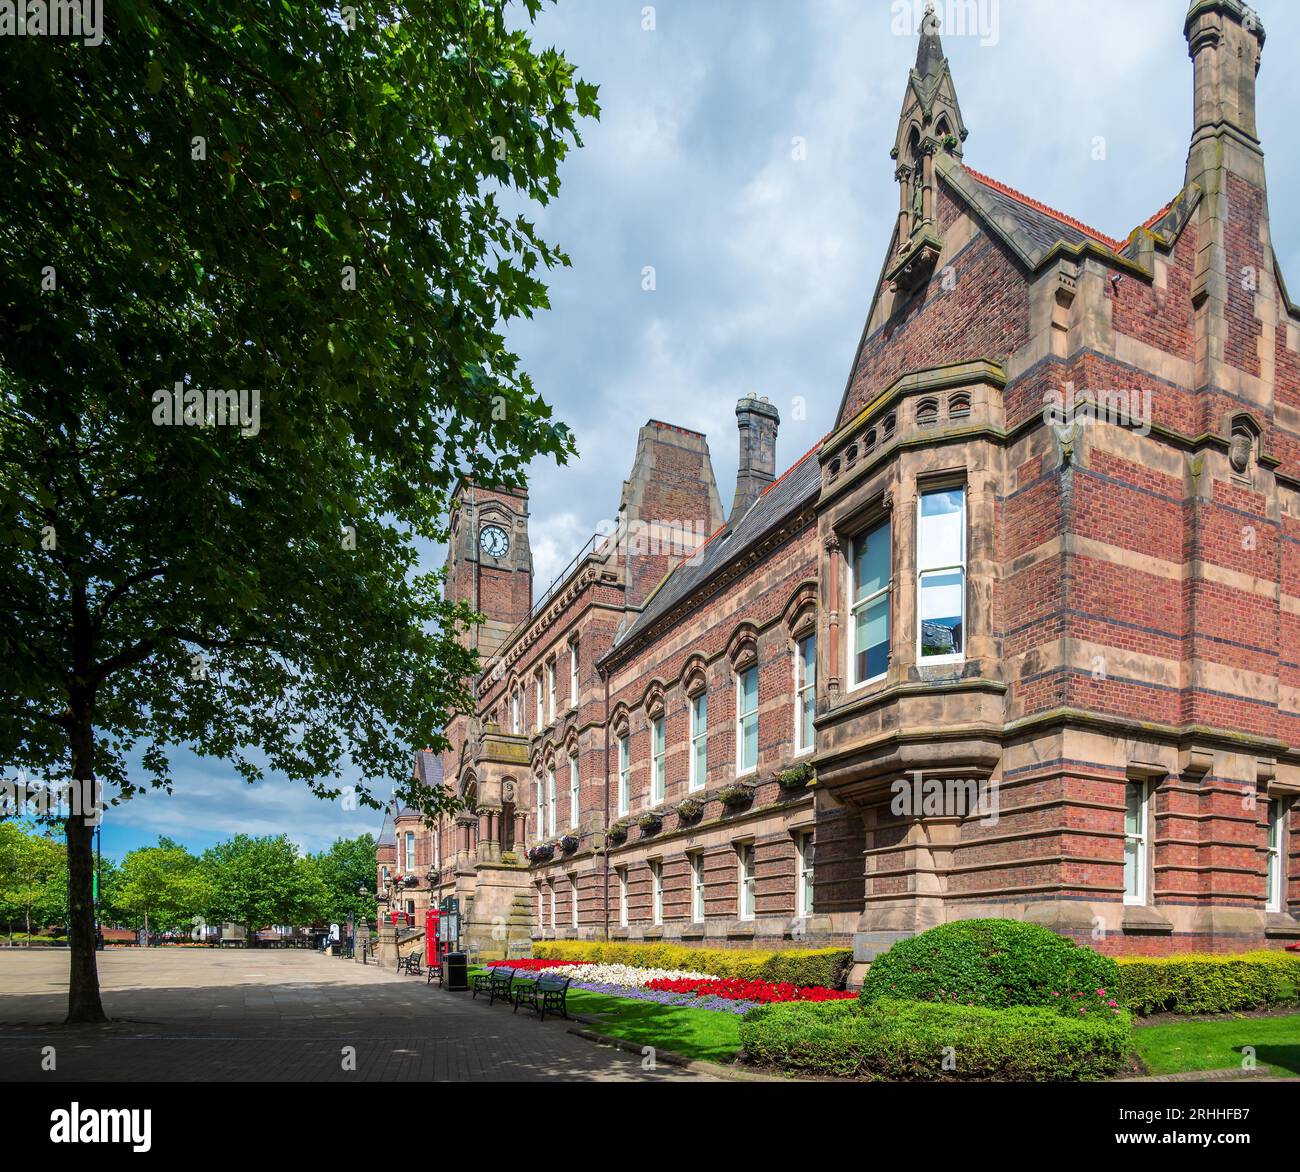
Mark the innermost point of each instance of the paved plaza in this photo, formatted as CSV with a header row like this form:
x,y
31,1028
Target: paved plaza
x,y
182,1014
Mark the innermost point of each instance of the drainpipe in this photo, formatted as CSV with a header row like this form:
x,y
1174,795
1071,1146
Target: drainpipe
x,y
605,925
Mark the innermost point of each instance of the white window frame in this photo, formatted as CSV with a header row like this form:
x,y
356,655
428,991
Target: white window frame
x,y
574,682
923,571
697,887
805,694
574,790
747,881
741,715
804,843
550,691
624,773
886,592
621,872
437,847
658,760
541,910
1141,840
554,922
541,808
1275,859
550,800
408,845
537,681
515,707
656,892
699,740
573,900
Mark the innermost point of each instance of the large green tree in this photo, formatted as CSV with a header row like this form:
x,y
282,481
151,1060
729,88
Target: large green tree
x,y
160,887
348,871
232,195
259,882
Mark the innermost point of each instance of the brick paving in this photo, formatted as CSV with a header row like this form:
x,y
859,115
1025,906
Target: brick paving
x,y
203,1015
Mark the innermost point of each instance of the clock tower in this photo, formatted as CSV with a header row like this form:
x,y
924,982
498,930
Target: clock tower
x,y
489,563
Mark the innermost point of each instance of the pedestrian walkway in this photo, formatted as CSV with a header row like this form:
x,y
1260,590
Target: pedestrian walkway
x,y
197,1014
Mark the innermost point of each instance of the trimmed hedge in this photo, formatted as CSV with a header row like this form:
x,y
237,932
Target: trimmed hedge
x,y
1209,983
990,963
918,1041
828,967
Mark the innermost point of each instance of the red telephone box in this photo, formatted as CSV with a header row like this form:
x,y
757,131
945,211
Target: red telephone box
x,y
432,945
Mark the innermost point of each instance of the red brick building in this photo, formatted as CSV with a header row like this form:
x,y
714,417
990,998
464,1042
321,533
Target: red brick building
x,y
1023,615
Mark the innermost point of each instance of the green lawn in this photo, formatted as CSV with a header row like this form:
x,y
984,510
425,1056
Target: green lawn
x,y
705,1034
698,1033
1217,1045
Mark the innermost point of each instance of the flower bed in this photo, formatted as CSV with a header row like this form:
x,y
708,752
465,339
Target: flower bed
x,y
754,992
540,965
823,966
629,977
667,997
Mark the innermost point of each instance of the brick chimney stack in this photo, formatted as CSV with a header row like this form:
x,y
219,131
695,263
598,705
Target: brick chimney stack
x,y
757,421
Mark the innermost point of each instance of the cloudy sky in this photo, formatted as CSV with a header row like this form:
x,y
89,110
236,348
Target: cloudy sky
x,y
743,154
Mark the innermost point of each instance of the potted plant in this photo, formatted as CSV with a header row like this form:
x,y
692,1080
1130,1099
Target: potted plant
x,y
650,822
617,832
689,809
738,793
542,853
568,843
795,778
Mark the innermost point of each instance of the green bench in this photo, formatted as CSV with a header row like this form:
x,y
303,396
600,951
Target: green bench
x,y
496,982
548,992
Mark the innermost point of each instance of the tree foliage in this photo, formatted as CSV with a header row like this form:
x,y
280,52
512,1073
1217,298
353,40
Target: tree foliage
x,y
347,870
238,196
259,882
33,879
161,887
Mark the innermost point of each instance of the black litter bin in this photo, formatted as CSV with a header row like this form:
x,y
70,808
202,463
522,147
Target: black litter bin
x,y
457,972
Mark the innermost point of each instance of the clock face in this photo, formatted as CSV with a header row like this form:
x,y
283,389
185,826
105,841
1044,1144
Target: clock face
x,y
493,541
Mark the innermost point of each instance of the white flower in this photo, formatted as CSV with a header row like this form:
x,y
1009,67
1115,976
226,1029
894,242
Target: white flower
x,y
628,976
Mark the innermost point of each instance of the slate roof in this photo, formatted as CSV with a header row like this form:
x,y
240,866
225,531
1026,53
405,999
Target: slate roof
x,y
1040,225
787,495
428,767
387,832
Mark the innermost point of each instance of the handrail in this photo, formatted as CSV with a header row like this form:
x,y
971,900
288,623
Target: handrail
x,y
588,546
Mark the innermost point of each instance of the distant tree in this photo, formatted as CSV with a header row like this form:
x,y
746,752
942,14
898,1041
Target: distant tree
x,y
30,866
347,869
258,882
161,887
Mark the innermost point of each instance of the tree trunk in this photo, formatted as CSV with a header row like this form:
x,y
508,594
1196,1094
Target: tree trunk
x,y
27,915
84,1004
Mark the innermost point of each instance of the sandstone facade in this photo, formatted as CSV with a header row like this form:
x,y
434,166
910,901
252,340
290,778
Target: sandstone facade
x,y
1048,555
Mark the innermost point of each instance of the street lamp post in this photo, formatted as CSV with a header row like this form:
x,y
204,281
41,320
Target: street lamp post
x,y
99,931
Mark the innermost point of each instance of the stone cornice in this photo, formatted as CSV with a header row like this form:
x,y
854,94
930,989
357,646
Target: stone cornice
x,y
528,634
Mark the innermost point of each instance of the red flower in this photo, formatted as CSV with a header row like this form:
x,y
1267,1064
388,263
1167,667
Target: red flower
x,y
738,989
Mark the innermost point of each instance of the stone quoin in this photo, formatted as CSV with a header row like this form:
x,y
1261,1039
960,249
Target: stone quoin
x,y
1088,616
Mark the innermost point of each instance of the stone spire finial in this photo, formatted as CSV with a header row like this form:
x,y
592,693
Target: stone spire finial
x,y
929,54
